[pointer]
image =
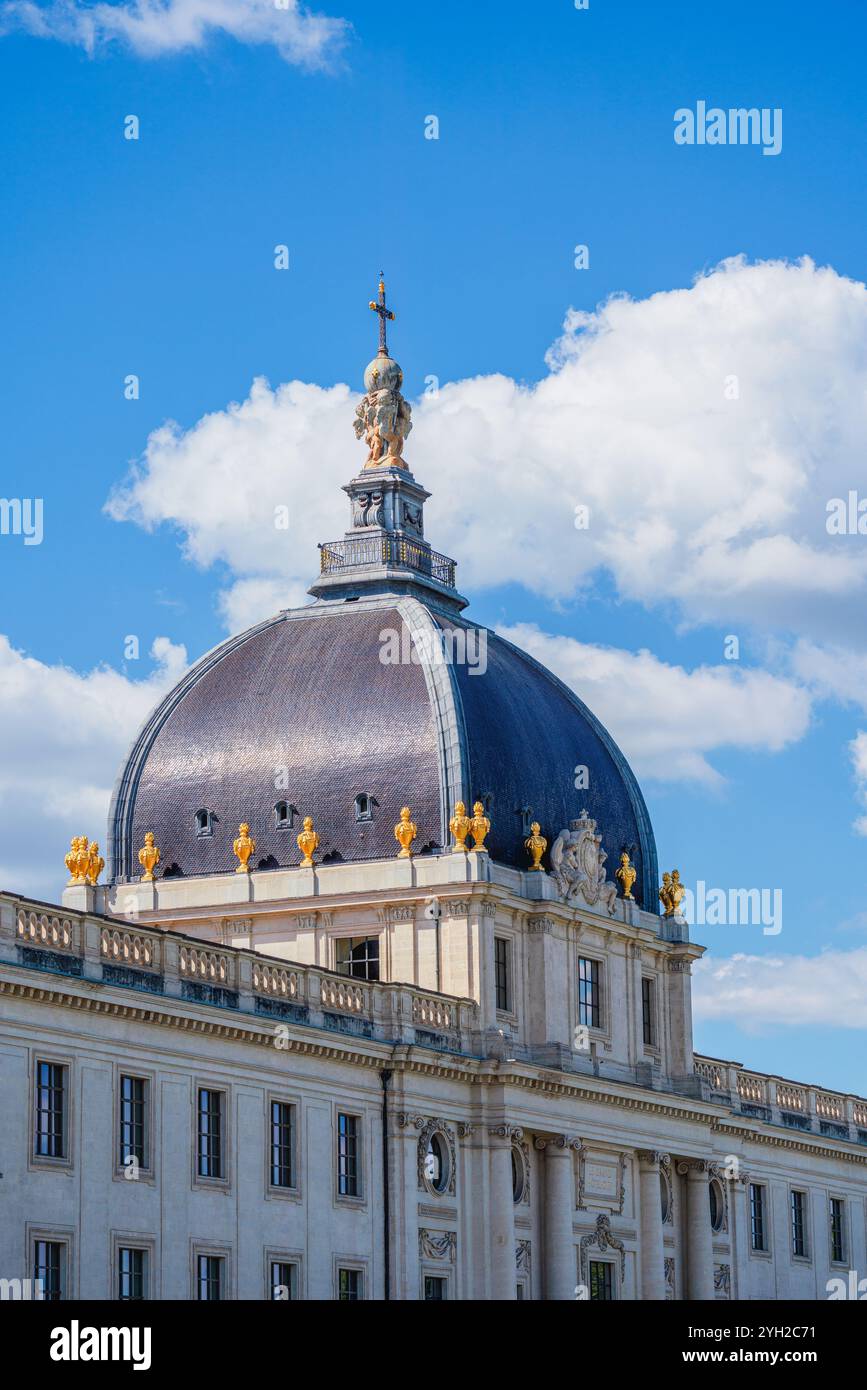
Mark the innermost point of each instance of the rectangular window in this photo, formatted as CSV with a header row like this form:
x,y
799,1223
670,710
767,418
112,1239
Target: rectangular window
x,y
838,1243
131,1273
347,1155
282,1144
50,1136
647,1012
209,1278
133,1109
210,1134
349,1285
601,1281
757,1216
435,1290
503,973
799,1238
589,1001
49,1266
282,1280
358,956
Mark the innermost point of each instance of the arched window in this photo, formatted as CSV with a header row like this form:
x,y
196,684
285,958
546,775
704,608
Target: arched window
x,y
364,806
284,815
204,822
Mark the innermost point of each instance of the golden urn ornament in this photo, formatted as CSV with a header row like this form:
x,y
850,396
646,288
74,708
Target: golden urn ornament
x,y
244,846
148,857
95,863
405,832
535,845
308,843
627,874
459,825
479,828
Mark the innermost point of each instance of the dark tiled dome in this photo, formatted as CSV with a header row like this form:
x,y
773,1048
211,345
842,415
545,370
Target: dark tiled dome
x,y
302,709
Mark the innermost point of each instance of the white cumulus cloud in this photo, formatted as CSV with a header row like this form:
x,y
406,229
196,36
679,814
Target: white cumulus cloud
x,y
706,429
795,991
153,28
63,736
666,719
858,754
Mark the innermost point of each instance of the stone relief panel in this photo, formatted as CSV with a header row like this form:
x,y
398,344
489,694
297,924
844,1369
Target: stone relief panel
x,y
437,1245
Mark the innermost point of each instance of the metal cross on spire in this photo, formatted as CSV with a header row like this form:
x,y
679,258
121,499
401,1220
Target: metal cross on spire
x,y
378,307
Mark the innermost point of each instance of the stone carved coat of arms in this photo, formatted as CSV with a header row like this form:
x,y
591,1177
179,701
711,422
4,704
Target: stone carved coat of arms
x,y
578,865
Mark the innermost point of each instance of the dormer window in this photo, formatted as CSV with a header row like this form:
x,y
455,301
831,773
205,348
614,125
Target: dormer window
x,y
284,815
204,822
364,804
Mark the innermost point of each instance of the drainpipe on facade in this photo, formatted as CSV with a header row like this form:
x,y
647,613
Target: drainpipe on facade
x,y
385,1078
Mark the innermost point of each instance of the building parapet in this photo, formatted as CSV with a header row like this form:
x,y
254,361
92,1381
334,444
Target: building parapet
x,y
105,951
790,1104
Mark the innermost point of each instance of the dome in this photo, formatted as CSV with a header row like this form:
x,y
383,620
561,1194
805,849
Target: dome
x,y
376,696
382,374
348,709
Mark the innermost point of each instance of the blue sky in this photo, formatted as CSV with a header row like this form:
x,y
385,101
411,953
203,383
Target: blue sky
x,y
155,257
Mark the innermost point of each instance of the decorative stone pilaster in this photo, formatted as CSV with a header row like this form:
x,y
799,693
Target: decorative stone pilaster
x,y
652,1253
699,1235
558,1250
502,1208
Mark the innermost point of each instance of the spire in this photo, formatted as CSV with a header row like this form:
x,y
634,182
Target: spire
x,y
378,306
385,551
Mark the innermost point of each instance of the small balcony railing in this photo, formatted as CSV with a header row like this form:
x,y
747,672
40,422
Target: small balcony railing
x,y
360,551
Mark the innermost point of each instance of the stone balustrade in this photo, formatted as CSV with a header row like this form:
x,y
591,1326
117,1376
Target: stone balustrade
x,y
781,1102
130,957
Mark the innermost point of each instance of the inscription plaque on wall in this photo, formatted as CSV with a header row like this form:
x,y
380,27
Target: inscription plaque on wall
x,y
601,1180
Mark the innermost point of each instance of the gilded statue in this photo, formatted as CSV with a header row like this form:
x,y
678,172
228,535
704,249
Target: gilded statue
x,y
479,827
672,893
535,845
95,863
459,825
244,846
627,874
405,832
76,874
148,857
308,843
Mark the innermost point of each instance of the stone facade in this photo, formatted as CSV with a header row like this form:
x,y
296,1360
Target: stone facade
x,y
501,1148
